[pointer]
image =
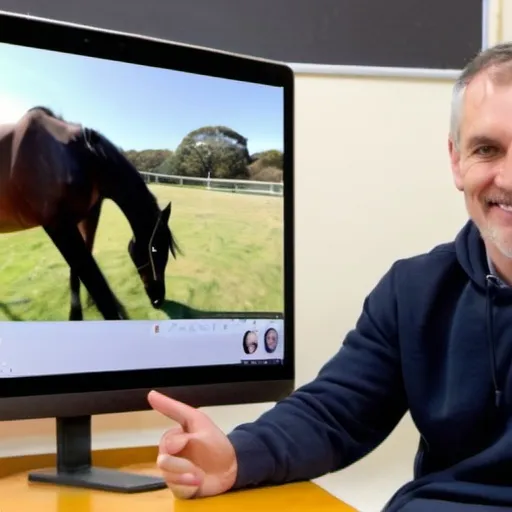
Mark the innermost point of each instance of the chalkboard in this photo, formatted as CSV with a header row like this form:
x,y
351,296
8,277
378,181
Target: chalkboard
x,y
434,34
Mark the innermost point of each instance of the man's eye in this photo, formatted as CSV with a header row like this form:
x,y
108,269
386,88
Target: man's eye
x,y
485,150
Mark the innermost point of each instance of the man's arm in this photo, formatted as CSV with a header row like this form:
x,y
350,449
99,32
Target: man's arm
x,y
344,413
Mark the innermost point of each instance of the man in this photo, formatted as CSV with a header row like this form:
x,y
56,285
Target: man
x,y
434,338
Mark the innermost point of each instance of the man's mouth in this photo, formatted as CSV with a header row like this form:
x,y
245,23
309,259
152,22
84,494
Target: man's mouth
x,y
503,206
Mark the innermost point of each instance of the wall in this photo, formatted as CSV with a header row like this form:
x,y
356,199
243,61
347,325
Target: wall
x,y
372,184
390,195
505,24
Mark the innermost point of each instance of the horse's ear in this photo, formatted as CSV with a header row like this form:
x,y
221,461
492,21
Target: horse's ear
x,y
166,213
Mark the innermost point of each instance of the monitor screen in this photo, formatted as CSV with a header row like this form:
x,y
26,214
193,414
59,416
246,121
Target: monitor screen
x,y
141,217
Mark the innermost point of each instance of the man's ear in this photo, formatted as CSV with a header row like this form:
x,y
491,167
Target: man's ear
x,y
455,164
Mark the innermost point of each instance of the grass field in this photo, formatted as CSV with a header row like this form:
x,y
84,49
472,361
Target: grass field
x,y
232,261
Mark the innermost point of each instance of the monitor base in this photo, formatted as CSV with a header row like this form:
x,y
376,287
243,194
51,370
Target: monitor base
x,y
74,466
102,479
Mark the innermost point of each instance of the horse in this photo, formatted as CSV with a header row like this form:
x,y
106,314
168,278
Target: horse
x,y
56,174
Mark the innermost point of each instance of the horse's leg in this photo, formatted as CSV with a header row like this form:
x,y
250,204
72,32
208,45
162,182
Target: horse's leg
x,y
67,238
89,233
88,230
75,312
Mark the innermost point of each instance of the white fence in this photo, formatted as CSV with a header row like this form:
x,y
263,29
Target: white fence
x,y
240,186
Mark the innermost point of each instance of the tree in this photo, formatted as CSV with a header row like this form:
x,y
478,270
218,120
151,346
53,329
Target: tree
x,y
267,166
148,160
270,158
213,151
268,174
168,166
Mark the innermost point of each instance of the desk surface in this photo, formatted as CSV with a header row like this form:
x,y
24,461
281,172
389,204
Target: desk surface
x,y
18,494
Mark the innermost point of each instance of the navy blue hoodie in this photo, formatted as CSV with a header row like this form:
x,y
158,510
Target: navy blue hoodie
x,y
435,338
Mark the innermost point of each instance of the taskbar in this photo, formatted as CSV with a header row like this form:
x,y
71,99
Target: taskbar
x,y
261,362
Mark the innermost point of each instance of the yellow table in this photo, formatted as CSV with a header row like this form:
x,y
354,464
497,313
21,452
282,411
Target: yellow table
x,y
18,495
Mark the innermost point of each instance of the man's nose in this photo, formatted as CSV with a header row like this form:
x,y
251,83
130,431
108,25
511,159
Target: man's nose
x,y
504,175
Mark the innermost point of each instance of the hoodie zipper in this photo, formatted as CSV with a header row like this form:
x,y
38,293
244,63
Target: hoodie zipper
x,y
492,281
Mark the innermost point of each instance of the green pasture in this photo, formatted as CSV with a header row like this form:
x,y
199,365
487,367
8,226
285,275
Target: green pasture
x,y
232,260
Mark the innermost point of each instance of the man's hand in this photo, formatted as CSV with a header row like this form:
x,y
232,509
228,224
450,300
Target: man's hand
x,y
195,457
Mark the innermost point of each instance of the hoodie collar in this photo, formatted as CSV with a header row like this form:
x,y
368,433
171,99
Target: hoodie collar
x,y
492,271
474,260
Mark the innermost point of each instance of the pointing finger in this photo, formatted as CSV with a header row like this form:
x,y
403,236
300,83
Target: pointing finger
x,y
172,409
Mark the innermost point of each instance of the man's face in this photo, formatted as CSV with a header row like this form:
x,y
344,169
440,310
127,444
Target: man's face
x,y
482,165
272,339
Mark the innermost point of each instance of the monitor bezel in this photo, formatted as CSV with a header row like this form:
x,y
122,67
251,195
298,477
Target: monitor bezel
x,y
104,392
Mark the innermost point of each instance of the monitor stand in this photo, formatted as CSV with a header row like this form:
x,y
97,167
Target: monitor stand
x,y
74,464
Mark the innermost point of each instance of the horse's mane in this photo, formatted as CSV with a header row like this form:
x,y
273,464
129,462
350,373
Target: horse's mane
x,y
106,149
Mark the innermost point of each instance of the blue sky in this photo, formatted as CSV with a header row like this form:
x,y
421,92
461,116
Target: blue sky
x,y
137,107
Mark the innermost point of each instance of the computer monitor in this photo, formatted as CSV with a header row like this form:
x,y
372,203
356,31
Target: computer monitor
x,y
146,231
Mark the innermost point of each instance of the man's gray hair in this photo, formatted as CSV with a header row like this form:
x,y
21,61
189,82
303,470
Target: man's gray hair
x,y
499,58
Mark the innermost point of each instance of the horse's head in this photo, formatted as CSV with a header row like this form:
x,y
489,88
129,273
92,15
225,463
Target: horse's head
x,y
150,255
